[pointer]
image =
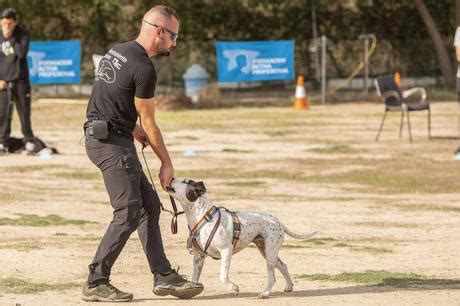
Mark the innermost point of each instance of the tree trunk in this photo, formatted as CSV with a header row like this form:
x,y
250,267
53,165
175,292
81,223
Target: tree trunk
x,y
457,12
441,51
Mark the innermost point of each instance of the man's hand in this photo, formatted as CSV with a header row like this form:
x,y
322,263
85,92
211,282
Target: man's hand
x,y
166,175
140,135
3,85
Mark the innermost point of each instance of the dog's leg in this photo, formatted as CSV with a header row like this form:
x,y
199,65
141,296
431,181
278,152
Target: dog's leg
x,y
270,279
271,249
226,256
198,263
282,267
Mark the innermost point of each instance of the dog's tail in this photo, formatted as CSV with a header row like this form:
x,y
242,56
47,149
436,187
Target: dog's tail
x,y
297,235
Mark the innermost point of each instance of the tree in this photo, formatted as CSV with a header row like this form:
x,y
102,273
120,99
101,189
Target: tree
x,y
441,51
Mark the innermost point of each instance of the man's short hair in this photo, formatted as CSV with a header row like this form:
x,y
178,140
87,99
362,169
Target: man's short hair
x,y
165,11
9,13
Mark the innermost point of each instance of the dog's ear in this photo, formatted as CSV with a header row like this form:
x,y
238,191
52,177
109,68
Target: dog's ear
x,y
192,195
196,190
200,188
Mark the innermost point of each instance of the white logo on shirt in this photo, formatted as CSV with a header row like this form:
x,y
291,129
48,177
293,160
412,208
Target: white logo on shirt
x,y
106,72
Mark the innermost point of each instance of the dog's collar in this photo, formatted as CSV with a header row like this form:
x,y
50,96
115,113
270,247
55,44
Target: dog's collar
x,y
206,218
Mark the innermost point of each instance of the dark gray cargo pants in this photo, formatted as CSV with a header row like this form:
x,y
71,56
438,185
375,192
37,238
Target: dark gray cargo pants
x,y
136,206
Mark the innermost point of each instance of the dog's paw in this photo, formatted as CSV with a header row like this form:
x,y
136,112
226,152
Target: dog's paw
x,y
264,295
288,288
235,289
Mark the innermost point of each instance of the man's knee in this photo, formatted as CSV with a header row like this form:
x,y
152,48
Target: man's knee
x,y
151,203
127,217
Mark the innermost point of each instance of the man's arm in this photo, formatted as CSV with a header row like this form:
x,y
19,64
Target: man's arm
x,y
457,44
146,111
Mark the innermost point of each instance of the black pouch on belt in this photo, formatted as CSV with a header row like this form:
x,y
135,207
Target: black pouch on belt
x,y
99,129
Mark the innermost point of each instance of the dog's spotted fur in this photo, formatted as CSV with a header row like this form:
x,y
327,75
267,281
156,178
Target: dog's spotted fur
x,y
264,230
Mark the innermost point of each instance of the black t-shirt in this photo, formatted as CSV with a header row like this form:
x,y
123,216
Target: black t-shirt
x,y
125,72
13,55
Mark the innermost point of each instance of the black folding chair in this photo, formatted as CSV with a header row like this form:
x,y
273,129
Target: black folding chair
x,y
394,100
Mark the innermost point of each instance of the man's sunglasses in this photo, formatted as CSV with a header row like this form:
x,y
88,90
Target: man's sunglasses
x,y
174,36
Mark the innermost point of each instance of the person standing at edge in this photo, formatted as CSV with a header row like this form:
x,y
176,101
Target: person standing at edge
x,y
457,55
123,90
14,80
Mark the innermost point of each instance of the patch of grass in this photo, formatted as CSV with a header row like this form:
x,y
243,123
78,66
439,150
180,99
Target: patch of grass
x,y
246,184
429,207
275,133
90,238
19,286
78,174
395,182
230,150
383,278
336,149
342,245
387,224
23,246
31,168
295,246
368,249
188,137
237,173
443,94
319,241
34,220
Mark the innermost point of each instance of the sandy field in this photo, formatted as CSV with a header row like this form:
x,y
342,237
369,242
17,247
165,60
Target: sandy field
x,y
387,212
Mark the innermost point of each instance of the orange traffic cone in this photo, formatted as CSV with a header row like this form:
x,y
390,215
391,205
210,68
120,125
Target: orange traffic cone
x,y
397,78
300,99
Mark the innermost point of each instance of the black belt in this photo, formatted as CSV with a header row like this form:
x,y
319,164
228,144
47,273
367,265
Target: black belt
x,y
112,130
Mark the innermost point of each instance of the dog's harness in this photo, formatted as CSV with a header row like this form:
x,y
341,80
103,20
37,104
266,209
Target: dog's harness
x,y
236,226
194,247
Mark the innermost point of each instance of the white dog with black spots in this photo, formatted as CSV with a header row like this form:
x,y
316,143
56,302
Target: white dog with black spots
x,y
262,229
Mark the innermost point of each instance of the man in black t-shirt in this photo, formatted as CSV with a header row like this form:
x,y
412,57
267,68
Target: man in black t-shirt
x,y
123,91
14,80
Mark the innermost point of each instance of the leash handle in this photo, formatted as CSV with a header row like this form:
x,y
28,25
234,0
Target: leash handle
x,y
174,213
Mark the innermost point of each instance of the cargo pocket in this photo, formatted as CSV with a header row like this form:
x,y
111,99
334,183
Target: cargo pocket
x,y
130,162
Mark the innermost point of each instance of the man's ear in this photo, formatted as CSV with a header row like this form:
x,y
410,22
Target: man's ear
x,y
200,188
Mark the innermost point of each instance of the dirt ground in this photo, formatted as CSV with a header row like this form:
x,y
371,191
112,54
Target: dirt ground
x,y
387,206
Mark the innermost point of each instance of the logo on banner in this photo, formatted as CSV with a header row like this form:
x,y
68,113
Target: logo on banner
x,y
242,59
255,61
35,57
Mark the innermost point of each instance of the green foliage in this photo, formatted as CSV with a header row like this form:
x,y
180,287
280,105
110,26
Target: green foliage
x,y
99,24
335,149
383,278
34,220
19,286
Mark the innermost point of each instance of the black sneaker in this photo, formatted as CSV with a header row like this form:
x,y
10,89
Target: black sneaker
x,y
174,284
105,292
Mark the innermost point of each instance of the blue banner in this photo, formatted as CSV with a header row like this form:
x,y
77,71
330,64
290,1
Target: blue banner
x,y
255,61
54,62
